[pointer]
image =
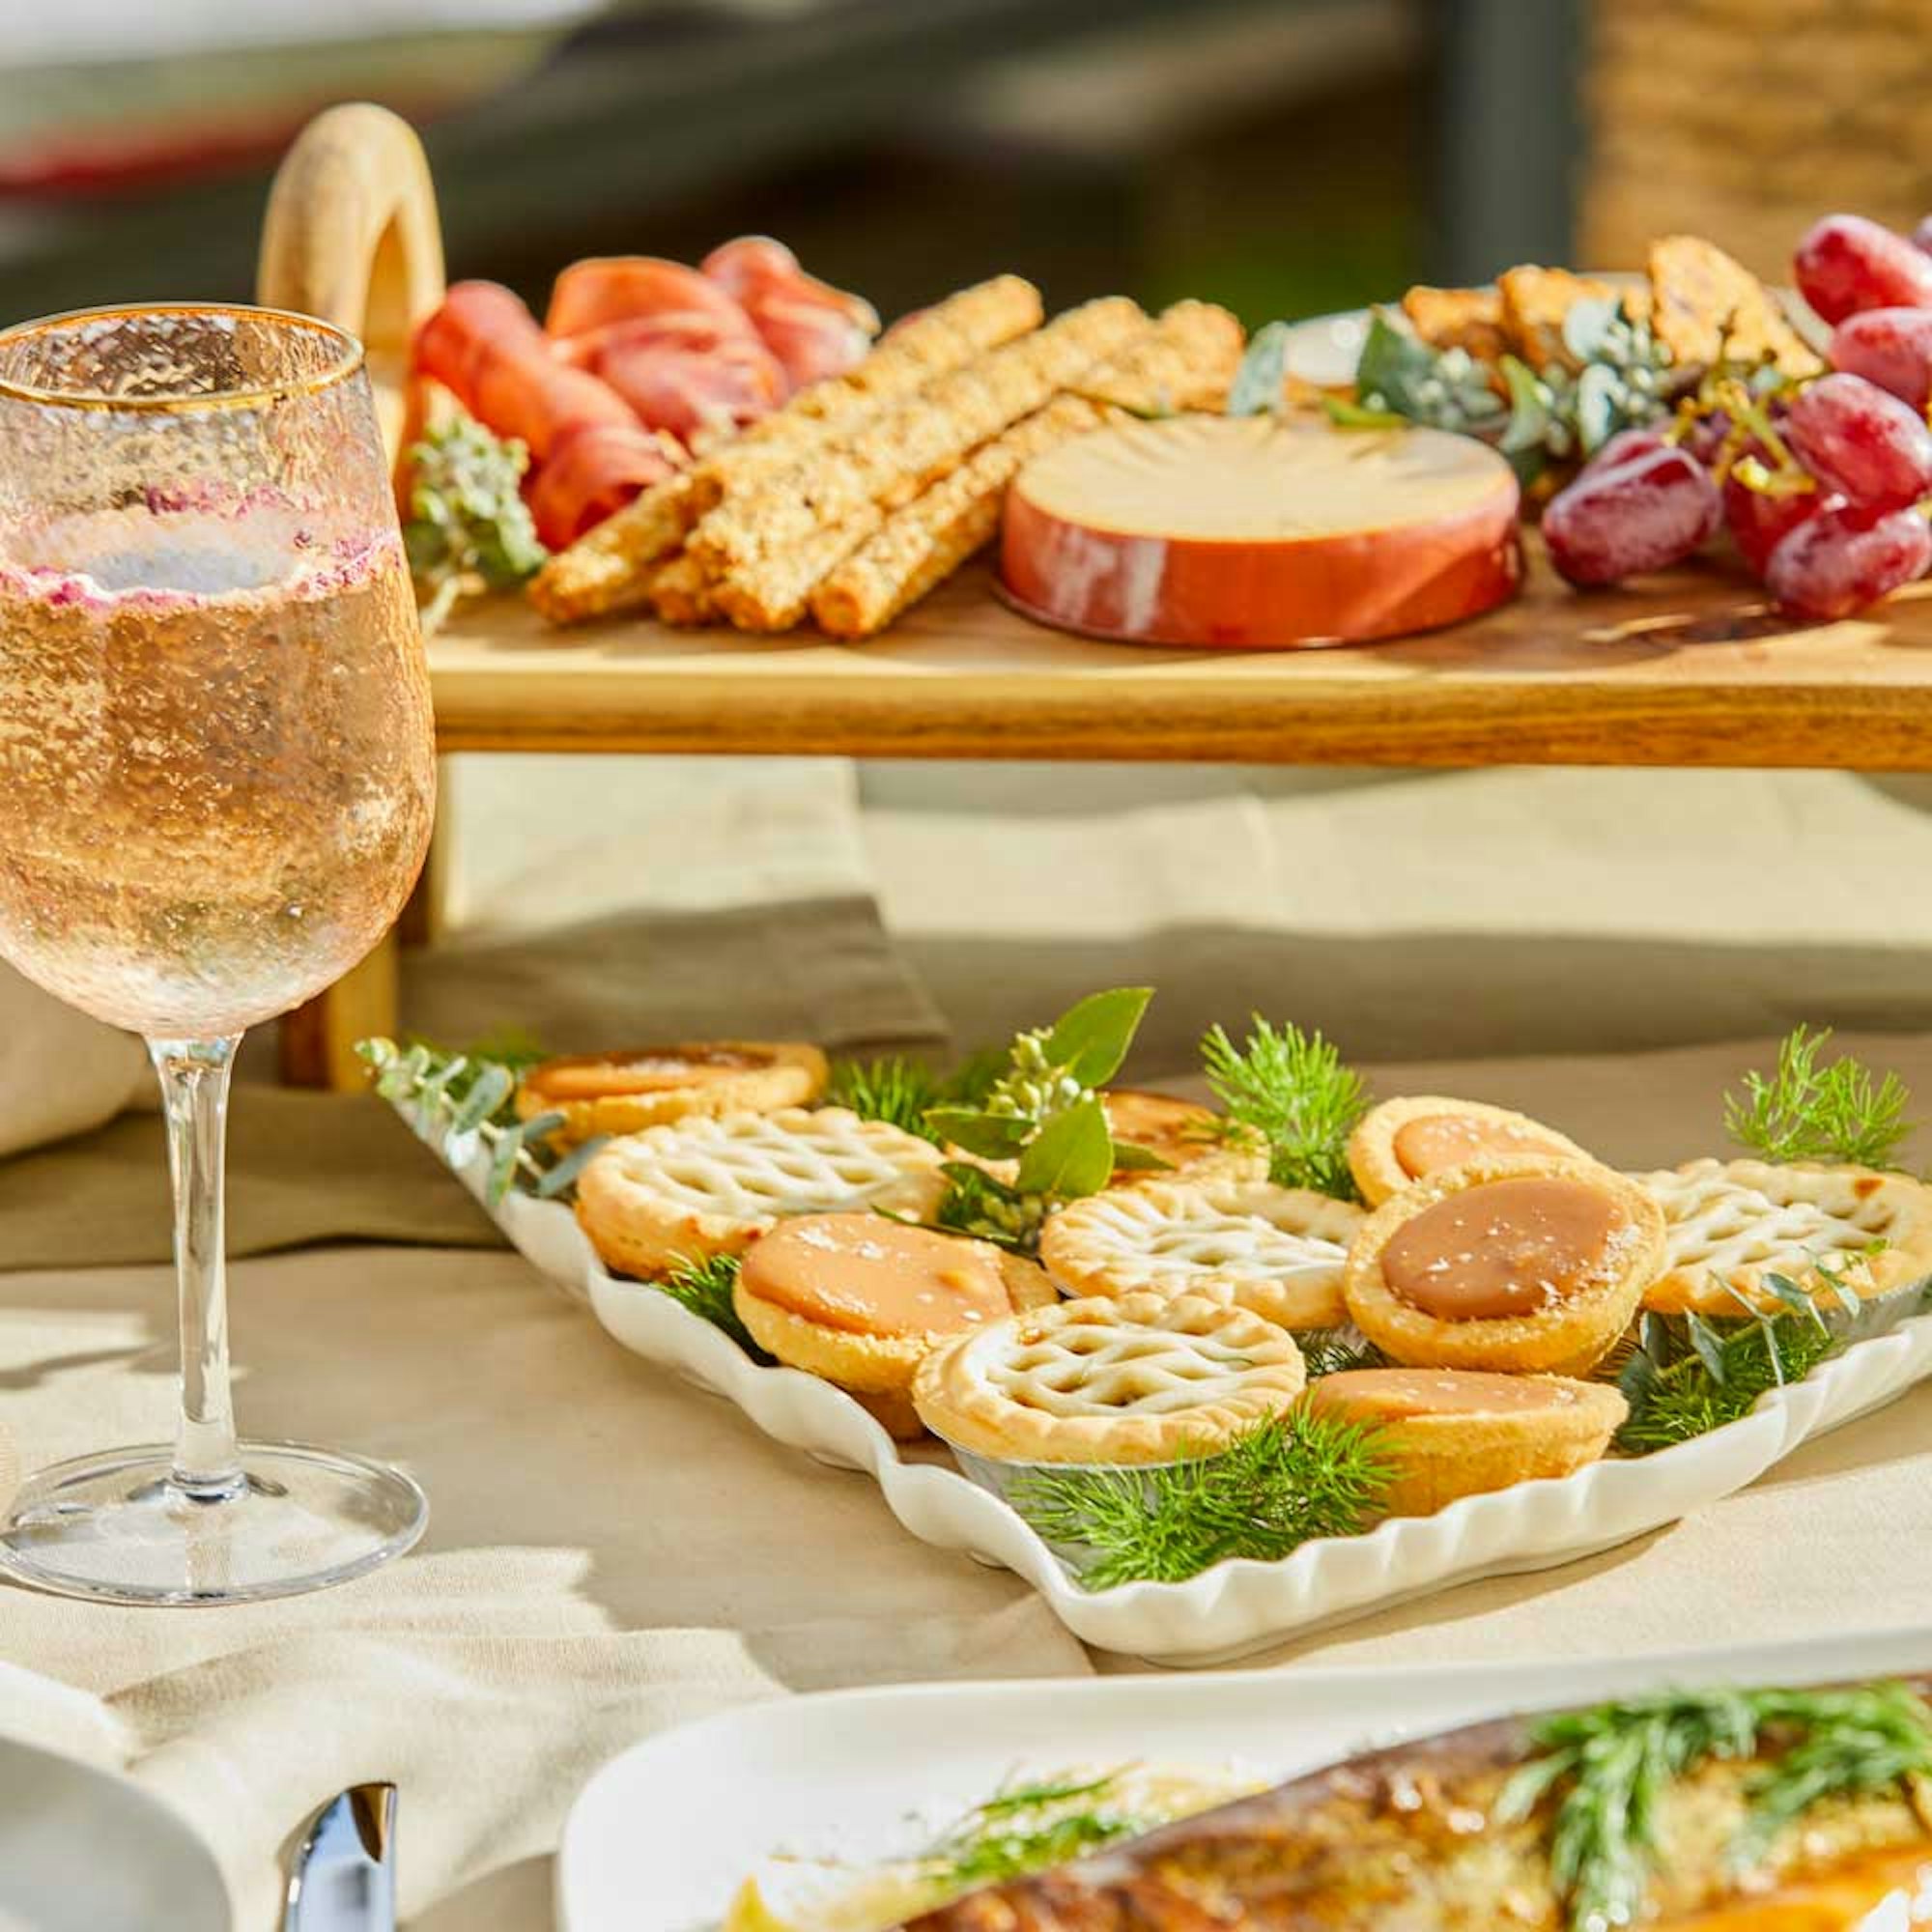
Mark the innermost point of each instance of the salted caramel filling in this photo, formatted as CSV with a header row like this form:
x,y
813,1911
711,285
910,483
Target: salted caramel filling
x,y
1504,1248
1402,1395
869,1275
643,1069
1433,1141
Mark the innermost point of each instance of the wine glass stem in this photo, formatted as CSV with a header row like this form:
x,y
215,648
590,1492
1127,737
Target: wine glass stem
x,y
194,1096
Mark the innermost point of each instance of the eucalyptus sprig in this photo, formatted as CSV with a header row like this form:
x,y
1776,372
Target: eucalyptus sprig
x,y
468,1093
1043,1112
1840,1111
1616,1763
1292,1088
704,1289
1284,1483
467,525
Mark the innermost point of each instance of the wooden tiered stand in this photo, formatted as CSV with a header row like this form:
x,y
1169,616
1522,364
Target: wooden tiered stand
x,y
1691,670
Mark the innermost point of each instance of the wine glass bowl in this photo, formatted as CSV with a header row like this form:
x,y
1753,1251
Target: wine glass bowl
x,y
216,783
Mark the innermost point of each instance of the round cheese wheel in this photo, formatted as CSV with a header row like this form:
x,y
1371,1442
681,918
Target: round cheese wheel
x,y
1250,531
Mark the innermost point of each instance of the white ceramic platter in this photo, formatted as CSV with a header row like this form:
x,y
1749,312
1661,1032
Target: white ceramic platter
x,y
1240,1606
83,1851
661,1837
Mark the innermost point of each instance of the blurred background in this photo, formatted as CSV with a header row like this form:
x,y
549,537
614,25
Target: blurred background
x,y
1283,157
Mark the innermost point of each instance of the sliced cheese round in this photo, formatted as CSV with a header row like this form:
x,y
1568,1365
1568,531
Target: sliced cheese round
x,y
1250,531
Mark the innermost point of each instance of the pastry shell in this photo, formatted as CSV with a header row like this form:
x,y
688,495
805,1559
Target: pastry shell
x,y
878,1368
1378,1170
781,1073
1441,1456
1730,1223
1276,1250
1568,1337
1186,1135
703,1186
1143,1379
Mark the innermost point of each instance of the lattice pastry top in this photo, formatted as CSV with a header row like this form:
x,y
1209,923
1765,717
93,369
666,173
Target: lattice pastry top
x,y
1728,1224
705,1186
1277,1250
1139,1380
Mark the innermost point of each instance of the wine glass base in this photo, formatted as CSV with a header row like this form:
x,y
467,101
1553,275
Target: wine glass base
x,y
114,1527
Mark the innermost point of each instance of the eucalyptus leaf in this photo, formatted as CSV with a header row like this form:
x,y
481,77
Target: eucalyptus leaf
x,y
504,1158
1528,426
1091,1039
540,1124
1345,414
1071,1156
435,1084
990,1136
553,1180
1600,411
1587,325
491,1088
1256,390
1393,364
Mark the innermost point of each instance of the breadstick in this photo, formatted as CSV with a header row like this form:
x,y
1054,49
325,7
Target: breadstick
x,y
680,594
609,568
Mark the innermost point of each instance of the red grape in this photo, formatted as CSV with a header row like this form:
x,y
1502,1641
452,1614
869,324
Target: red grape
x,y
1622,519
1921,236
1892,346
1626,447
1862,441
1846,264
1846,558
1760,519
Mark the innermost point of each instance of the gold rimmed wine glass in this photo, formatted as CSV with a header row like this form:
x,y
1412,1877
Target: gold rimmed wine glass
x,y
217,780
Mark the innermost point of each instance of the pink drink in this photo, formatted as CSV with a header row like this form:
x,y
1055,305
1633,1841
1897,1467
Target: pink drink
x,y
215,774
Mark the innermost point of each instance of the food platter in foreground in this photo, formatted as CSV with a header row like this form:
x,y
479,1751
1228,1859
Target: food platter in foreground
x,y
921,1795
1205,1378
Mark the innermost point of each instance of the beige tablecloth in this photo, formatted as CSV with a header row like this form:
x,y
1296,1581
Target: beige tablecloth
x,y
611,1552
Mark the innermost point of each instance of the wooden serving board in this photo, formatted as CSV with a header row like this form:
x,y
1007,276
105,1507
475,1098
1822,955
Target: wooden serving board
x,y
1693,669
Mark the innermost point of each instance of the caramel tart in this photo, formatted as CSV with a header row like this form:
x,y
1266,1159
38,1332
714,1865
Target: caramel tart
x,y
1455,1432
1404,1141
644,1086
859,1300
1516,1263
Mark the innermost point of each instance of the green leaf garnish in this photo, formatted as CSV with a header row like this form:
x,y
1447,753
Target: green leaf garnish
x,y
1292,1088
1806,1111
982,1205
895,1089
470,1093
704,1289
1028,1828
1070,1156
1091,1039
1284,1483
1256,390
1616,1763
468,522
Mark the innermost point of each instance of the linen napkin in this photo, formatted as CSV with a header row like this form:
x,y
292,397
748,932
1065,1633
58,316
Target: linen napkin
x,y
61,1073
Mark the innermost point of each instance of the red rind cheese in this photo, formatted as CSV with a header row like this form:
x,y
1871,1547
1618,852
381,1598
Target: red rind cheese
x,y
1253,532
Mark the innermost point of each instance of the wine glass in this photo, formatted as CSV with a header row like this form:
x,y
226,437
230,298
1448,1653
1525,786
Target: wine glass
x,y
216,780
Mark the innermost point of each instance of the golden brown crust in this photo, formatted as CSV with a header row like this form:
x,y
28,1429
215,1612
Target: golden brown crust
x,y
1190,1137
1382,1174
1730,1223
1467,318
624,1093
1534,304
1568,1337
1441,1456
1276,1250
703,1186
608,569
1706,308
1140,1381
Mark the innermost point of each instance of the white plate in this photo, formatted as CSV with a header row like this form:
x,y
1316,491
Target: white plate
x,y
82,1851
1239,1606
661,1836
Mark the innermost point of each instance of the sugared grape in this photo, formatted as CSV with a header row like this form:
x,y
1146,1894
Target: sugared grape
x,y
1921,236
1626,447
1861,442
1622,519
1846,558
1892,346
1760,519
1846,264
1707,436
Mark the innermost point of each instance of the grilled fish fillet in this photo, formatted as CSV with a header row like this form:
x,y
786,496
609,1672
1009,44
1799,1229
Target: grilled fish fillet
x,y
1403,1840
610,569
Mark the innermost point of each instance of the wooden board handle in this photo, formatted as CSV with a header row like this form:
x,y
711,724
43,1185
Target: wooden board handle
x,y
352,235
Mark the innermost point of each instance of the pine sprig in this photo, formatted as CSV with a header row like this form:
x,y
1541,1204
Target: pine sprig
x,y
468,1093
1616,1763
1685,1379
704,1289
1292,1088
1804,1111
1286,1482
895,1089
